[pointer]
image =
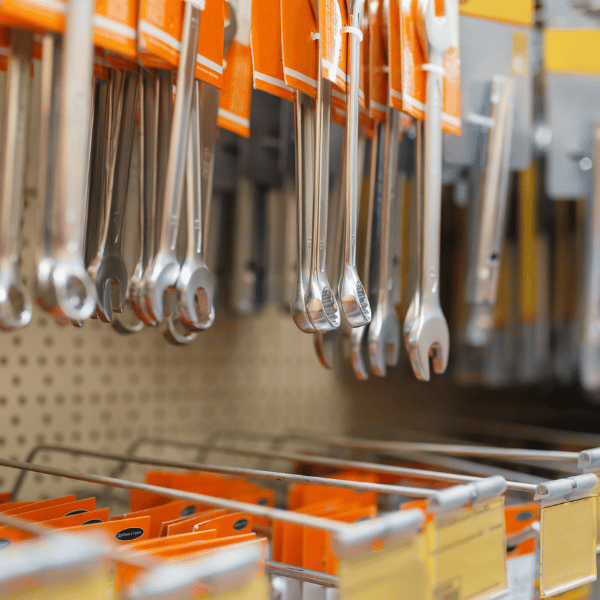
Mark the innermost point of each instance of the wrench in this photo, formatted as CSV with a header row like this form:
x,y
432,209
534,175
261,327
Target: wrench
x,y
108,269
353,298
321,305
195,285
74,290
149,208
430,336
358,335
164,268
384,331
304,120
15,304
490,215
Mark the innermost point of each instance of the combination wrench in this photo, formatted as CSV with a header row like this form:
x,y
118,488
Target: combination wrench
x,y
74,290
164,268
321,305
107,269
15,304
353,298
429,336
384,331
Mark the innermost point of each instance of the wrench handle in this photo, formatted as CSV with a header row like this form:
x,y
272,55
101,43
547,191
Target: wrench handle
x,y
195,245
432,182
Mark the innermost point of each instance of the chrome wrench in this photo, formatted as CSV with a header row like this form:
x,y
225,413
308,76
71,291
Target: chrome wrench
x,y
490,214
108,268
353,298
73,287
321,305
430,336
358,335
195,284
384,331
164,268
15,304
304,120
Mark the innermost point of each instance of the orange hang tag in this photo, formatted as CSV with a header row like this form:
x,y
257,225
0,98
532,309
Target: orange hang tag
x,y
267,51
209,61
378,77
414,77
117,532
7,509
34,14
299,46
93,517
234,104
395,78
115,26
333,19
159,32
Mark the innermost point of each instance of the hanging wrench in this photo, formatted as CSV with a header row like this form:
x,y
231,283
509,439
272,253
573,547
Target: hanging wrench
x,y
429,335
74,290
15,305
304,120
384,331
353,298
490,213
358,335
149,126
108,268
164,268
195,285
322,307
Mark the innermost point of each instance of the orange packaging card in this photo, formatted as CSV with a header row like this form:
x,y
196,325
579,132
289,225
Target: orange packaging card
x,y
160,23
118,532
93,517
37,14
414,77
267,52
202,546
174,540
234,104
378,92
334,42
520,516
231,524
187,525
298,24
115,26
11,535
36,505
395,76
62,510
203,483
525,547
10,505
209,62
166,512
4,498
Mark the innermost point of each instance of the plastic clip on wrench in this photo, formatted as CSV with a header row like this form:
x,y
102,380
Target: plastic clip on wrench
x,y
384,330
15,304
74,290
322,307
165,267
353,298
485,268
429,335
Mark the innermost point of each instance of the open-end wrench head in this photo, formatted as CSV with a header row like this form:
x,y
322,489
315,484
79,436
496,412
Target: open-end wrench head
x,y
298,309
163,274
325,348
121,326
322,307
429,338
353,297
175,337
15,304
137,297
109,273
196,289
358,337
383,341
75,292
410,317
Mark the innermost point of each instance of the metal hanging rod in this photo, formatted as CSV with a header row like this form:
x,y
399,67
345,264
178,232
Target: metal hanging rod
x,y
337,463
358,486
253,509
301,574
